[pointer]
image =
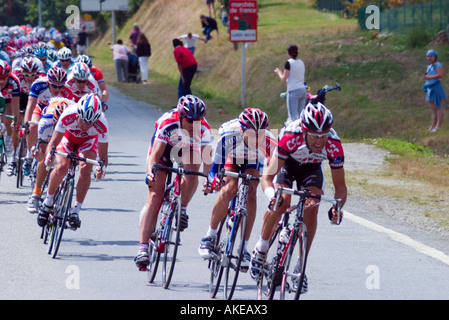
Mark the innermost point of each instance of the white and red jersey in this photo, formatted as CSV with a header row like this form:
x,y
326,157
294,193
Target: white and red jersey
x,y
90,87
11,88
169,131
25,87
68,125
292,144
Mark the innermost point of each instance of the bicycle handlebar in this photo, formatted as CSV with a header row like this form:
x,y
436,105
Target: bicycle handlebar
x,y
337,203
244,176
179,170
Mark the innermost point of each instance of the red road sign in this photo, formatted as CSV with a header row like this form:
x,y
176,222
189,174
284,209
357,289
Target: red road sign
x,y
243,20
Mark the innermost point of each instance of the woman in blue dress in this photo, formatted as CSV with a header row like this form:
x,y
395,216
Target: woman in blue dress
x,y
434,89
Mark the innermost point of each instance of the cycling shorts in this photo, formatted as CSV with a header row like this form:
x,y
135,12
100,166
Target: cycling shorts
x,y
23,101
45,129
238,166
78,145
305,175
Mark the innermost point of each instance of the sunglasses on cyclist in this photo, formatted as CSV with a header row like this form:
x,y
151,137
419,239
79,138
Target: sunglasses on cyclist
x,y
29,75
318,136
191,120
56,86
80,81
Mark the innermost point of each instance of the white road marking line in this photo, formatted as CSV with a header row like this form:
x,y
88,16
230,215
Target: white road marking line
x,y
399,237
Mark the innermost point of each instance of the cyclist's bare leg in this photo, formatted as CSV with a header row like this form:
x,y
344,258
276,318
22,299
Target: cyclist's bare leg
x,y
271,218
41,173
189,184
85,176
311,216
58,174
251,204
220,209
32,135
151,208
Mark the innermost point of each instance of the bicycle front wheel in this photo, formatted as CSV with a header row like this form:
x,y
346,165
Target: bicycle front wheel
x,y
154,256
215,266
20,156
234,256
294,271
64,215
171,243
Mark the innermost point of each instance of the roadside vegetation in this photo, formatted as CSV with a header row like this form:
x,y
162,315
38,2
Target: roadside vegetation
x,y
381,76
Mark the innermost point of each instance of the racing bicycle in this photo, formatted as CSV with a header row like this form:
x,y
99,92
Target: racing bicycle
x,y
3,151
227,254
58,219
166,238
281,271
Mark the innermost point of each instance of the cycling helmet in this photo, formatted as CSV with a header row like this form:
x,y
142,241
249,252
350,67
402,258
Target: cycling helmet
x,y
59,104
52,55
56,74
27,51
316,118
29,64
191,107
80,71
89,108
253,118
64,54
5,69
40,52
84,59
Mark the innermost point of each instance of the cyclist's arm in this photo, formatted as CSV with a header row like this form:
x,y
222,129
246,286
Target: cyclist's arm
x,y
269,173
338,179
156,153
15,105
206,155
32,101
103,151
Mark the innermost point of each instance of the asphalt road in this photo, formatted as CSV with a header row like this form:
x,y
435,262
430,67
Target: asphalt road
x,y
358,260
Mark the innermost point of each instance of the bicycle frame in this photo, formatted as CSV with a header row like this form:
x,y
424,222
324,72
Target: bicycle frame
x,y
280,264
226,259
164,240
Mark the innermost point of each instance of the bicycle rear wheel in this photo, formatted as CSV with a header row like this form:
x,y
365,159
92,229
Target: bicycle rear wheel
x,y
293,276
215,266
266,289
64,216
171,243
233,258
20,156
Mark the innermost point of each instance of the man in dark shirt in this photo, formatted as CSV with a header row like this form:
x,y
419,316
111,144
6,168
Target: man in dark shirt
x,y
209,24
187,66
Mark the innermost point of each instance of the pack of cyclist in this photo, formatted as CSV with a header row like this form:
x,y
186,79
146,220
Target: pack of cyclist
x,y
60,100
67,99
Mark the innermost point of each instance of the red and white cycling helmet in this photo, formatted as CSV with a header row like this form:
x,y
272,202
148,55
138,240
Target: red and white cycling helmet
x,y
5,69
89,108
316,118
56,74
191,107
29,64
81,71
253,118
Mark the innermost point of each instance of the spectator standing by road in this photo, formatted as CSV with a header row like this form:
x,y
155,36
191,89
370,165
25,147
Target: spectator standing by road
x,y
134,35
120,56
143,51
293,74
82,42
434,89
209,24
187,66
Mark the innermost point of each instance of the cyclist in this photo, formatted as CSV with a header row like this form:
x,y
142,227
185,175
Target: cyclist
x,y
49,117
10,89
97,74
243,146
81,81
42,90
302,147
81,128
41,54
65,59
184,133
